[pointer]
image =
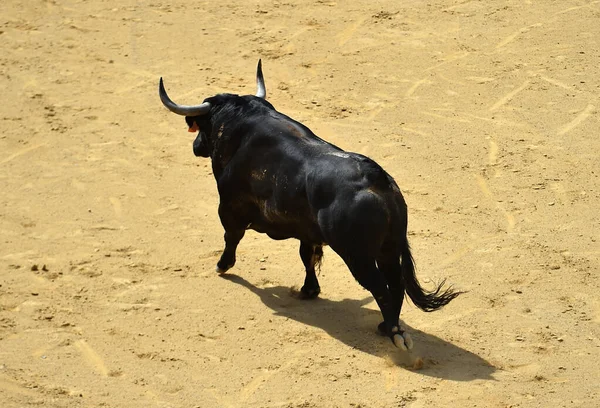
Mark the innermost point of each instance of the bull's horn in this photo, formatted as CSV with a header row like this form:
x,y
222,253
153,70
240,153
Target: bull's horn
x,y
261,91
183,110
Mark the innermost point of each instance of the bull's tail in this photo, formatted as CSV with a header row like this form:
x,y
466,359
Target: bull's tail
x,y
428,301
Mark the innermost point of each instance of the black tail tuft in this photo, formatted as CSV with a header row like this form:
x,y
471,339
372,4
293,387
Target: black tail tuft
x,y
318,258
428,301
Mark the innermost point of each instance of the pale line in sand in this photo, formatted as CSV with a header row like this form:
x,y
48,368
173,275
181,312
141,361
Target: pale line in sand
x,y
22,152
575,8
461,252
577,121
510,219
346,34
506,98
116,203
560,192
451,81
256,383
496,122
435,115
453,58
417,84
557,83
457,255
375,113
508,39
299,32
378,110
462,3
93,358
514,35
129,88
480,80
483,185
493,155
12,386
410,130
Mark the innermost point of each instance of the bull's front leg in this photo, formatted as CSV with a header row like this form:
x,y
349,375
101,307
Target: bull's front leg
x,y
311,257
234,232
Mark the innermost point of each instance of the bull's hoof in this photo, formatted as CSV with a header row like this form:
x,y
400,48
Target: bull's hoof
x,y
403,341
408,340
309,293
400,338
223,266
220,270
399,342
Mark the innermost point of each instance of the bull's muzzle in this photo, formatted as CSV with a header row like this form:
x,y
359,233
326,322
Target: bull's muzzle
x,y
201,148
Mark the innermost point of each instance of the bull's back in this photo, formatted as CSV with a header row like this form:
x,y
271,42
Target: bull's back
x,y
299,186
354,200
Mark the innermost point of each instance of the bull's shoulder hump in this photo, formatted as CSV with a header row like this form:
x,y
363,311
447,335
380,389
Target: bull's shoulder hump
x,y
290,125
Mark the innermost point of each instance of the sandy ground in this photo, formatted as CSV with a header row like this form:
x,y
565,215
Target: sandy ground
x,y
485,112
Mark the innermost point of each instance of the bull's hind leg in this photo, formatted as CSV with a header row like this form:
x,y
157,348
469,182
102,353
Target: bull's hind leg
x,y
234,232
390,266
311,257
371,278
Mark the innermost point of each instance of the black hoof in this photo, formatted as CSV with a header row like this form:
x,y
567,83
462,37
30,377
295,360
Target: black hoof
x,y
223,266
220,270
309,293
381,329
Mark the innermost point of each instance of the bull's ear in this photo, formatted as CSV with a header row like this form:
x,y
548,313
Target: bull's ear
x,y
261,91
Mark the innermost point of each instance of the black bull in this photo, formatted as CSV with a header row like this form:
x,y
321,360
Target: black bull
x,y
275,176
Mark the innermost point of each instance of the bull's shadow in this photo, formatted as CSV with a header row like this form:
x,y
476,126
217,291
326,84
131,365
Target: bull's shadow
x,y
351,323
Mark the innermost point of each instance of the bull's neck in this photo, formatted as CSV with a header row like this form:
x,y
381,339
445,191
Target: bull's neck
x,y
217,169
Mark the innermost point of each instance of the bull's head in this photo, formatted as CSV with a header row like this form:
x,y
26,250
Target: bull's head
x,y
198,117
